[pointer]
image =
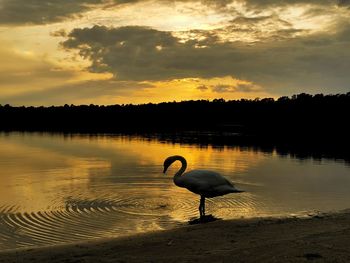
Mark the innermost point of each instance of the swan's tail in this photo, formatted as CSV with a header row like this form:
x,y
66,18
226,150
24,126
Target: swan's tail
x,y
234,190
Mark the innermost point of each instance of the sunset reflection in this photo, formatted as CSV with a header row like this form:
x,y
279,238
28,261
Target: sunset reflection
x,y
100,186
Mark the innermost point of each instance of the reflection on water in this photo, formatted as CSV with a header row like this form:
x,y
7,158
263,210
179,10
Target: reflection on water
x,y
57,188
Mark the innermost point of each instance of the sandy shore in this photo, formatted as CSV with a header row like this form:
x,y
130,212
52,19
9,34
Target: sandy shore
x,y
322,238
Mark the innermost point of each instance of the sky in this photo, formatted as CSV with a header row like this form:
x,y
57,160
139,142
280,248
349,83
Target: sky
x,y
140,51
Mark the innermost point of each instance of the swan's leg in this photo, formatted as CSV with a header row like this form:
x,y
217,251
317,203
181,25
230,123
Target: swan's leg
x,y
202,206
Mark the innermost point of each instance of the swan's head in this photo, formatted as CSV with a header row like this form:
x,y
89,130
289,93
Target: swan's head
x,y
168,161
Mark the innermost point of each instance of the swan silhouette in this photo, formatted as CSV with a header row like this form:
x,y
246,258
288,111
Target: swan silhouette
x,y
205,183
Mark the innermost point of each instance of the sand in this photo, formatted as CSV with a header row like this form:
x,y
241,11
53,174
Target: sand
x,y
320,238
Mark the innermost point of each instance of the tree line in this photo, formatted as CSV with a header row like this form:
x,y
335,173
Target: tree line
x,y
301,116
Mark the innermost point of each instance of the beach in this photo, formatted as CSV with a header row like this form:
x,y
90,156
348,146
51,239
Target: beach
x,y
318,238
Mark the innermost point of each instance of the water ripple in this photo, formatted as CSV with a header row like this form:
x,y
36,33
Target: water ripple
x,y
87,219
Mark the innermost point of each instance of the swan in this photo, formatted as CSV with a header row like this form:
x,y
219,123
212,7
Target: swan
x,y
205,183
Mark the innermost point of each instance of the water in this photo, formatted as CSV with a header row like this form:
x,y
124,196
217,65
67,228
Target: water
x,y
58,189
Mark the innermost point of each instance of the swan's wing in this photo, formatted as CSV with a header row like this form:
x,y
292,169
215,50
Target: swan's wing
x,y
207,183
205,176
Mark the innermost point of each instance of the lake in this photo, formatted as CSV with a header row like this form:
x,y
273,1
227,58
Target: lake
x,y
59,188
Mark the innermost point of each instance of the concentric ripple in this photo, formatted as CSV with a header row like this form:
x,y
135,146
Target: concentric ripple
x,y
87,219
79,220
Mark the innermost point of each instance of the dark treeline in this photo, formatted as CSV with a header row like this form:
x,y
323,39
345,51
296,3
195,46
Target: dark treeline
x,y
300,117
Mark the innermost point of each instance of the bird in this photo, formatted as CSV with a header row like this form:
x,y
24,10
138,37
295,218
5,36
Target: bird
x,y
205,183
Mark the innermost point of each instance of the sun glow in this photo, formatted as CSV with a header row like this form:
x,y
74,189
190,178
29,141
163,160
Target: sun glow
x,y
199,88
36,60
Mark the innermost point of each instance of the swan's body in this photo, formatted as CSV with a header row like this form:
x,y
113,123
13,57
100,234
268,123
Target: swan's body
x,y
205,183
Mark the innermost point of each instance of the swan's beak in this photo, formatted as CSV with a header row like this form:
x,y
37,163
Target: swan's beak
x,y
164,171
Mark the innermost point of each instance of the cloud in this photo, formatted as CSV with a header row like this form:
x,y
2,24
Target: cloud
x,y
59,33
86,92
258,28
41,11
26,79
130,53
270,3
19,12
318,61
141,53
343,2
245,29
223,88
239,87
22,71
202,88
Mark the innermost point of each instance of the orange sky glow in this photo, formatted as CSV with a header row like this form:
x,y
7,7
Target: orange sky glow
x,y
108,52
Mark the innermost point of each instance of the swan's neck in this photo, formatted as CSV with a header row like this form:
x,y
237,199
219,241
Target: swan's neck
x,y
177,176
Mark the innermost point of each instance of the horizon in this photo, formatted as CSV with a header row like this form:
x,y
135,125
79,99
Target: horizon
x,y
294,96
151,51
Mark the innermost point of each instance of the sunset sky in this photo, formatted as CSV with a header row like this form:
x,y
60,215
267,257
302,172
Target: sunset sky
x,y
128,51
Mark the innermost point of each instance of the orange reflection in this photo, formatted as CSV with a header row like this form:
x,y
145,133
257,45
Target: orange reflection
x,y
35,169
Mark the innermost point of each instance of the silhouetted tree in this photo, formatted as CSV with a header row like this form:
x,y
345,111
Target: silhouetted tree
x,y
301,117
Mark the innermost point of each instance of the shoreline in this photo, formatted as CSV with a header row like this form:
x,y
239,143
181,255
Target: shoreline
x,y
321,238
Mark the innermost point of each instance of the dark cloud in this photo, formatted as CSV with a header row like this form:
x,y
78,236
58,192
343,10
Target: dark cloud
x,y
136,53
247,29
240,87
269,3
344,2
59,33
223,88
17,12
41,11
259,28
139,53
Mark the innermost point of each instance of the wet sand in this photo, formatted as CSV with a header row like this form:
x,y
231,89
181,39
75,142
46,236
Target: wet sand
x,y
318,238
